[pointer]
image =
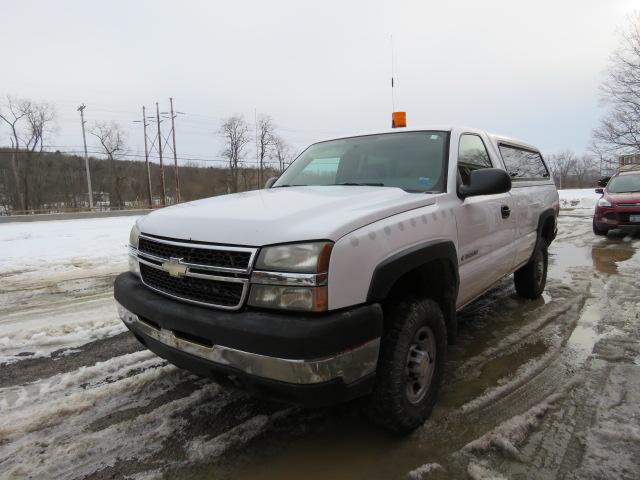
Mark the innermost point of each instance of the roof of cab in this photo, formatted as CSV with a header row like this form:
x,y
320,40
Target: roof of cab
x,y
442,128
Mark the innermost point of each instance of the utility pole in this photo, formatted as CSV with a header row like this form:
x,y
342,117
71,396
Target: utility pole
x,y
175,155
146,156
86,156
164,192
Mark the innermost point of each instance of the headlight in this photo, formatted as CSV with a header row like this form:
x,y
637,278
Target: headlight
x,y
134,236
604,203
310,299
310,257
292,277
134,265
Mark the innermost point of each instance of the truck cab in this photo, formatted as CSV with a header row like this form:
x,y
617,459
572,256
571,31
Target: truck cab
x,y
344,277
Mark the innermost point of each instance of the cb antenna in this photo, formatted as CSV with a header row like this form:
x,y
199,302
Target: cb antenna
x,y
398,119
393,103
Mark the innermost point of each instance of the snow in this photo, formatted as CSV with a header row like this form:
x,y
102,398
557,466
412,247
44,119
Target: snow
x,y
578,198
424,471
63,245
42,333
507,436
481,471
44,261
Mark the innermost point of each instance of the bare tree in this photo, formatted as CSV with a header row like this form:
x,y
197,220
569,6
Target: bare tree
x,y
40,123
585,170
281,153
265,137
28,122
12,114
112,141
561,165
605,158
235,134
620,127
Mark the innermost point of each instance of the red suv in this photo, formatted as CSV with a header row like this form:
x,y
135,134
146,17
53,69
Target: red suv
x,y
619,206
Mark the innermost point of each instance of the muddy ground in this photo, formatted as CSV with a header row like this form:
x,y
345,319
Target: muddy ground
x,y
533,389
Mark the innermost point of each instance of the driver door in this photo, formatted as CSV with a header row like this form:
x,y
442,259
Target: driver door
x,y
486,225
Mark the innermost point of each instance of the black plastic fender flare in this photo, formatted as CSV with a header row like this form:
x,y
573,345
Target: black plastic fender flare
x,y
544,216
387,273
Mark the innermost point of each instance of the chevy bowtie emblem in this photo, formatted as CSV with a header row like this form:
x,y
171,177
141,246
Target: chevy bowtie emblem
x,y
175,267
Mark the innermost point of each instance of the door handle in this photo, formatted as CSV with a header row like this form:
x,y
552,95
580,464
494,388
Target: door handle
x,y
505,211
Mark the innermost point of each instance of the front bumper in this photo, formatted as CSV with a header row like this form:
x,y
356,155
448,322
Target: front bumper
x,y
308,359
617,217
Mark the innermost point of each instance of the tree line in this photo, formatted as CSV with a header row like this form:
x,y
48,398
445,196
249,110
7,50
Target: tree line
x,y
33,179
58,182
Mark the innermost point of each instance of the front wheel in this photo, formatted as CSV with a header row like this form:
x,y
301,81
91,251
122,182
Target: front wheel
x,y
410,365
531,279
597,230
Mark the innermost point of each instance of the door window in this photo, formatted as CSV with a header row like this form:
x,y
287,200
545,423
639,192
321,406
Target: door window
x,y
472,155
523,164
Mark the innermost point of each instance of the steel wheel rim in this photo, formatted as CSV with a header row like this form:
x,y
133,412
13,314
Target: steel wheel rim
x,y
421,364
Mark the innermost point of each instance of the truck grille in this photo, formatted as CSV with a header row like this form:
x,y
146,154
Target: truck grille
x,y
210,292
213,257
210,275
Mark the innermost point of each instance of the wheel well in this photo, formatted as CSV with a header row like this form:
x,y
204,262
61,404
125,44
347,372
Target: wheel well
x,y
436,280
548,228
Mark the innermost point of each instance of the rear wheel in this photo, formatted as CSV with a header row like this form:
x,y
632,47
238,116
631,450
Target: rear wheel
x,y
597,230
531,279
410,365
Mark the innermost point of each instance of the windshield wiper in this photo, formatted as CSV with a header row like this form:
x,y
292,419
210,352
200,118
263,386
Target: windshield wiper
x,y
297,185
356,184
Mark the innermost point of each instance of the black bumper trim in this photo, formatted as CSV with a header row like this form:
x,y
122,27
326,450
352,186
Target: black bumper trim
x,y
282,335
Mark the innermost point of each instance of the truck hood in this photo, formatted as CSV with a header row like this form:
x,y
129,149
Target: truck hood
x,y
281,215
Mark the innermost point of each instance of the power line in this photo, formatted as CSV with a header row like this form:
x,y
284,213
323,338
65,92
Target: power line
x,y
130,156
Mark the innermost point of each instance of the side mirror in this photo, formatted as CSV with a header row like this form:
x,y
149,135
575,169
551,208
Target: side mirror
x,y
600,190
486,181
270,182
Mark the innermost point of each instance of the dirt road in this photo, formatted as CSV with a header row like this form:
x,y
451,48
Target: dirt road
x,y
534,389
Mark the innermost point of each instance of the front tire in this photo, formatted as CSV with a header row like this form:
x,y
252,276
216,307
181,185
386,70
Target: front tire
x,y
410,366
597,230
531,279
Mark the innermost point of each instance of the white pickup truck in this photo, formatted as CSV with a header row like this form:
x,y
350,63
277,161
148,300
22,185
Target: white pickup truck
x,y
342,278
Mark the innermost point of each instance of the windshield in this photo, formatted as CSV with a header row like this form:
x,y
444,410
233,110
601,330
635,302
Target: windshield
x,y
624,183
413,161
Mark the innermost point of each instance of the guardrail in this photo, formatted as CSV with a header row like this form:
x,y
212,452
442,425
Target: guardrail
x,y
72,215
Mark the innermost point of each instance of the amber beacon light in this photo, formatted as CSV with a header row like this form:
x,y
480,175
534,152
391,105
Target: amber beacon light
x,y
398,119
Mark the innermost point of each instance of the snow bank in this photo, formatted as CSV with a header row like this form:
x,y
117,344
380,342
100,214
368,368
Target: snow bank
x,y
425,471
41,332
578,198
34,246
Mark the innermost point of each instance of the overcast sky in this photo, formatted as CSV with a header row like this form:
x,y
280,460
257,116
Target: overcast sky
x,y
525,69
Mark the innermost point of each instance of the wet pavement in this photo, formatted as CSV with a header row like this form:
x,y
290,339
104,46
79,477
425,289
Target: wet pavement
x,y
533,389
